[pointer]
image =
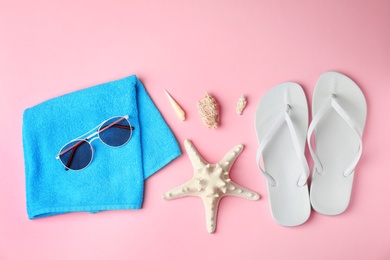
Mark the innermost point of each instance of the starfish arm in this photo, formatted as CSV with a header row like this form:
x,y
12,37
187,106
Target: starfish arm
x,y
236,190
211,209
229,159
180,191
195,158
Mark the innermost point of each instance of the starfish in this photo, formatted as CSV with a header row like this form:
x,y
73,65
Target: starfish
x,y
211,182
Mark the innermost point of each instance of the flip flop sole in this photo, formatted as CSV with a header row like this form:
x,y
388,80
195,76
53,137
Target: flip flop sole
x,y
289,203
336,144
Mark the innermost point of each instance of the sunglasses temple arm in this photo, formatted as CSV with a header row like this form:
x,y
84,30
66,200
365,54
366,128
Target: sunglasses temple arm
x,y
123,126
113,123
72,155
73,146
70,159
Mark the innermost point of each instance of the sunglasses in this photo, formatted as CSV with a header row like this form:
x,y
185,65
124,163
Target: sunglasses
x,y
78,153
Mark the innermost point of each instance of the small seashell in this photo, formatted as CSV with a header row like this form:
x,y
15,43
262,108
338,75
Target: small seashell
x,y
241,104
209,111
178,110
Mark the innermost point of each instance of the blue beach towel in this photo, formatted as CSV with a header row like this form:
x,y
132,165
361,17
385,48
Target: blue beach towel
x,y
115,178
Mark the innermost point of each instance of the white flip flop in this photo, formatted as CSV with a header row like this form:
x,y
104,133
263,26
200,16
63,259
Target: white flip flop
x,y
339,113
281,122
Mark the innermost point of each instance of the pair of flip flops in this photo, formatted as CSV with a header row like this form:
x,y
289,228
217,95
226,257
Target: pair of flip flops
x,y
338,117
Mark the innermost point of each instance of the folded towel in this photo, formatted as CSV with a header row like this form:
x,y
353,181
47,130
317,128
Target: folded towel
x,y
115,177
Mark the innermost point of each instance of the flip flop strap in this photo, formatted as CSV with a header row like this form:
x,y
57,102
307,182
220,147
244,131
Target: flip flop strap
x,y
298,148
350,122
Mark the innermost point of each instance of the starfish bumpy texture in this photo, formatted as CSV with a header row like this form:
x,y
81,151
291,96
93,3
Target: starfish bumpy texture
x,y
211,182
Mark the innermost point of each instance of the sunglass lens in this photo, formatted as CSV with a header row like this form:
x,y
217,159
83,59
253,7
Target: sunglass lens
x,y
115,131
76,155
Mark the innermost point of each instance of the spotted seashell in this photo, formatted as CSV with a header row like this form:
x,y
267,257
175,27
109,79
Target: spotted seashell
x,y
209,111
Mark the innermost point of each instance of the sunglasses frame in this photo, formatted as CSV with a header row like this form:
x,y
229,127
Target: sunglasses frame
x,y
91,137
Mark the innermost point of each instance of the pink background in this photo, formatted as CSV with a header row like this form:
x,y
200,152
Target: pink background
x,y
229,48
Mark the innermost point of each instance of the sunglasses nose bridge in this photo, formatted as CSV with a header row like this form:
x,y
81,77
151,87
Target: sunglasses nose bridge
x,y
93,139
